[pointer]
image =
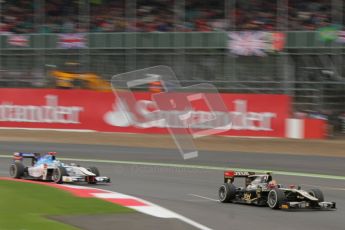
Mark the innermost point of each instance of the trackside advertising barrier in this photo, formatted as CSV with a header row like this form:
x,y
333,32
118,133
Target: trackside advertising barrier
x,y
307,128
250,114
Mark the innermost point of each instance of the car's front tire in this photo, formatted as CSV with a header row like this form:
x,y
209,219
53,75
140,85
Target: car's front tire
x,y
275,198
95,171
226,192
17,170
58,174
317,193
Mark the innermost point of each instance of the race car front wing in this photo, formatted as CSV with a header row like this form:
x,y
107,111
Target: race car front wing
x,y
308,205
72,179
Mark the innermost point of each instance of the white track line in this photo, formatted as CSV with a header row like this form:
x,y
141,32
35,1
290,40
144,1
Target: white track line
x,y
49,129
204,197
149,208
113,195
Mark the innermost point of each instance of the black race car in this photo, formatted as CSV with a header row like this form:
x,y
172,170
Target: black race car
x,y
262,190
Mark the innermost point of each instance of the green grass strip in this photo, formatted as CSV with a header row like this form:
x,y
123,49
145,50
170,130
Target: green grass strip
x,y
25,206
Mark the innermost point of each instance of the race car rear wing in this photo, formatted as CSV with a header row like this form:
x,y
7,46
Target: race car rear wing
x,y
18,156
230,175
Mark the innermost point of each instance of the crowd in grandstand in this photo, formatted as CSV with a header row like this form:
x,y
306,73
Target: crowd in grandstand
x,y
59,16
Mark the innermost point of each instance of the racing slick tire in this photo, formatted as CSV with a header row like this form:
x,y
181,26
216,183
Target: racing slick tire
x,y
227,192
17,170
58,174
317,193
94,170
275,198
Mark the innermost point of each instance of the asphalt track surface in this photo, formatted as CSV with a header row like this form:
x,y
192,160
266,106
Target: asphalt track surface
x,y
193,192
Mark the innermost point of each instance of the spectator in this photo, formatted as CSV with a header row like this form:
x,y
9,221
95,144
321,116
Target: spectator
x,y
62,16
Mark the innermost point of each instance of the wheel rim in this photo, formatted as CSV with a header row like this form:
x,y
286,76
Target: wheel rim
x,y
222,192
56,175
272,199
12,171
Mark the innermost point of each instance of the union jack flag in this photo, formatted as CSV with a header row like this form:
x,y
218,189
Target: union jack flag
x,y
248,43
18,40
69,41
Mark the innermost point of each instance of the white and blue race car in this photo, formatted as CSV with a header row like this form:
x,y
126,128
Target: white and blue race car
x,y
47,168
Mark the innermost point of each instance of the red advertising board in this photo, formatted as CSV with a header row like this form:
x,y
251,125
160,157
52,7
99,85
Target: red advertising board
x,y
251,114
315,129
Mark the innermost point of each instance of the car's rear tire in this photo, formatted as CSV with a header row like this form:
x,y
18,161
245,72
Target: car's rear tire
x,y
226,192
275,198
58,174
17,170
317,193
